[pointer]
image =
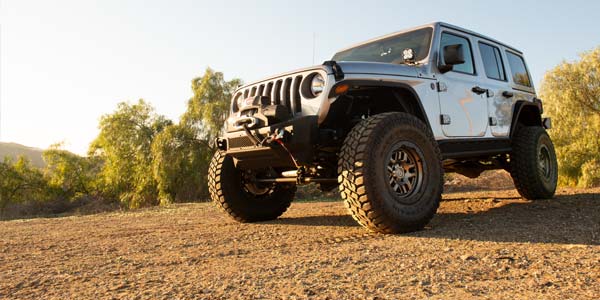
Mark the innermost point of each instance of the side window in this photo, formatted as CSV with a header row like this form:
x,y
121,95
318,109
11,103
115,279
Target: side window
x,y
451,39
492,62
518,69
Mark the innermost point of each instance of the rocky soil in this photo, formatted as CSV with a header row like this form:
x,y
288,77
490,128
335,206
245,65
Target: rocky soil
x,y
489,245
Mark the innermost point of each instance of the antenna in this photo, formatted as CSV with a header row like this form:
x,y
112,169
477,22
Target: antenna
x,y
314,46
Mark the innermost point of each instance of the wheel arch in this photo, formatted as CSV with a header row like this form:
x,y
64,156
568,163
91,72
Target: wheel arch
x,y
526,113
403,98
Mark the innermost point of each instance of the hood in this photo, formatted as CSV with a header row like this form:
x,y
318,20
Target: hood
x,y
285,74
351,67
356,67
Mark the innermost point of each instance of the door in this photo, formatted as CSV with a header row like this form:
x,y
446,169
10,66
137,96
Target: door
x,y
521,87
463,104
500,96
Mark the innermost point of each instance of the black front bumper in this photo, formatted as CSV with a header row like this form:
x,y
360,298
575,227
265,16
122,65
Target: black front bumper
x,y
301,134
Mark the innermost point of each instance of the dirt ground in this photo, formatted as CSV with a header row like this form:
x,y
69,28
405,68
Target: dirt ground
x,y
490,245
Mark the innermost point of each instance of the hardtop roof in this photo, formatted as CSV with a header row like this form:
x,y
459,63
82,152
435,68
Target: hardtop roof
x,y
434,25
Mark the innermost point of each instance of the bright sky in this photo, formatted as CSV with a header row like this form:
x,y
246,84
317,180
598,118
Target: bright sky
x,y
65,63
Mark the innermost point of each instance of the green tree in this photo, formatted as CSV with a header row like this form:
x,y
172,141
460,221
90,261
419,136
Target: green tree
x,y
20,182
124,145
572,98
208,108
182,153
71,174
180,164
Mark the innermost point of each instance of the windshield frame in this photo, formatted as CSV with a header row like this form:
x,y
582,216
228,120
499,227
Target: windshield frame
x,y
392,35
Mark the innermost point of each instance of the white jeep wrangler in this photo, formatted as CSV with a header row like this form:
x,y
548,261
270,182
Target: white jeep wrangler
x,y
383,120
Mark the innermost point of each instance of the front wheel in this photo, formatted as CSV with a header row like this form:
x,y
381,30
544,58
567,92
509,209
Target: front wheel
x,y
533,163
233,191
390,173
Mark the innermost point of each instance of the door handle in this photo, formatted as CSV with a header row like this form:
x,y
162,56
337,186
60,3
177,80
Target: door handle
x,y
507,94
479,90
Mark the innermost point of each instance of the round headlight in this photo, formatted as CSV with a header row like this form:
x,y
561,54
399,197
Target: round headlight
x,y
317,85
238,102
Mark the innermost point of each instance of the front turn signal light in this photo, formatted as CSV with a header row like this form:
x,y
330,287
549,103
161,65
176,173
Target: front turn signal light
x,y
342,88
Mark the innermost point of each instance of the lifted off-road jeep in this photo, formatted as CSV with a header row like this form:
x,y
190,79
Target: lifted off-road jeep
x,y
383,120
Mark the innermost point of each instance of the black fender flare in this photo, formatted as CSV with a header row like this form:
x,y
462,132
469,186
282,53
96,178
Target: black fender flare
x,y
523,109
383,83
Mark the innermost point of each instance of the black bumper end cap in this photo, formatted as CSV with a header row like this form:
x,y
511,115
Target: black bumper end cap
x,y
221,143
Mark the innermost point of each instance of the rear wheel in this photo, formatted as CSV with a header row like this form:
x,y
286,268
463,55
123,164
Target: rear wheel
x,y
234,191
533,163
390,173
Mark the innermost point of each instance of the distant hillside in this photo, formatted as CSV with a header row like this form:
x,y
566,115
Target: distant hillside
x,y
15,150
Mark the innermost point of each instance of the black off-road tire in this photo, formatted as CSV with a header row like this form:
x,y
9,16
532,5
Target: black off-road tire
x,y
365,185
227,191
531,149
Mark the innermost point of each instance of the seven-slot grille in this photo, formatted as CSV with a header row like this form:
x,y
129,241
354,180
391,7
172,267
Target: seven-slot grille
x,y
284,91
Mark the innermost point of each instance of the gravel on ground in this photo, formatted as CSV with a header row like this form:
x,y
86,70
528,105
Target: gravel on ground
x,y
489,245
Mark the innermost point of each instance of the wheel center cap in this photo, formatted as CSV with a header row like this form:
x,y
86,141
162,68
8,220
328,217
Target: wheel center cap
x,y
398,172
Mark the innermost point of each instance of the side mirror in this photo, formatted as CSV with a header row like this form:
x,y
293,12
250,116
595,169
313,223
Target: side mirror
x,y
453,55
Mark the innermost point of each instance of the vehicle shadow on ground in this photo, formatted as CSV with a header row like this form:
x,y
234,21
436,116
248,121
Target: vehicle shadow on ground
x,y
331,220
566,219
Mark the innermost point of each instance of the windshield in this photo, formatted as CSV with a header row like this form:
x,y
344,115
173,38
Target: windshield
x,y
390,50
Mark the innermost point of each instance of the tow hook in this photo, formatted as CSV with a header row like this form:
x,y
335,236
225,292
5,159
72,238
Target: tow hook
x,y
278,137
278,134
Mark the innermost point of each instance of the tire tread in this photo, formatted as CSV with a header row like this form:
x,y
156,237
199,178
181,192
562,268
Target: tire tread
x,y
351,170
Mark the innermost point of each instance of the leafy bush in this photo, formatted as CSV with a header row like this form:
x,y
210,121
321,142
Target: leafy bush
x,y
71,175
21,182
139,157
182,152
209,106
180,164
124,145
571,93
